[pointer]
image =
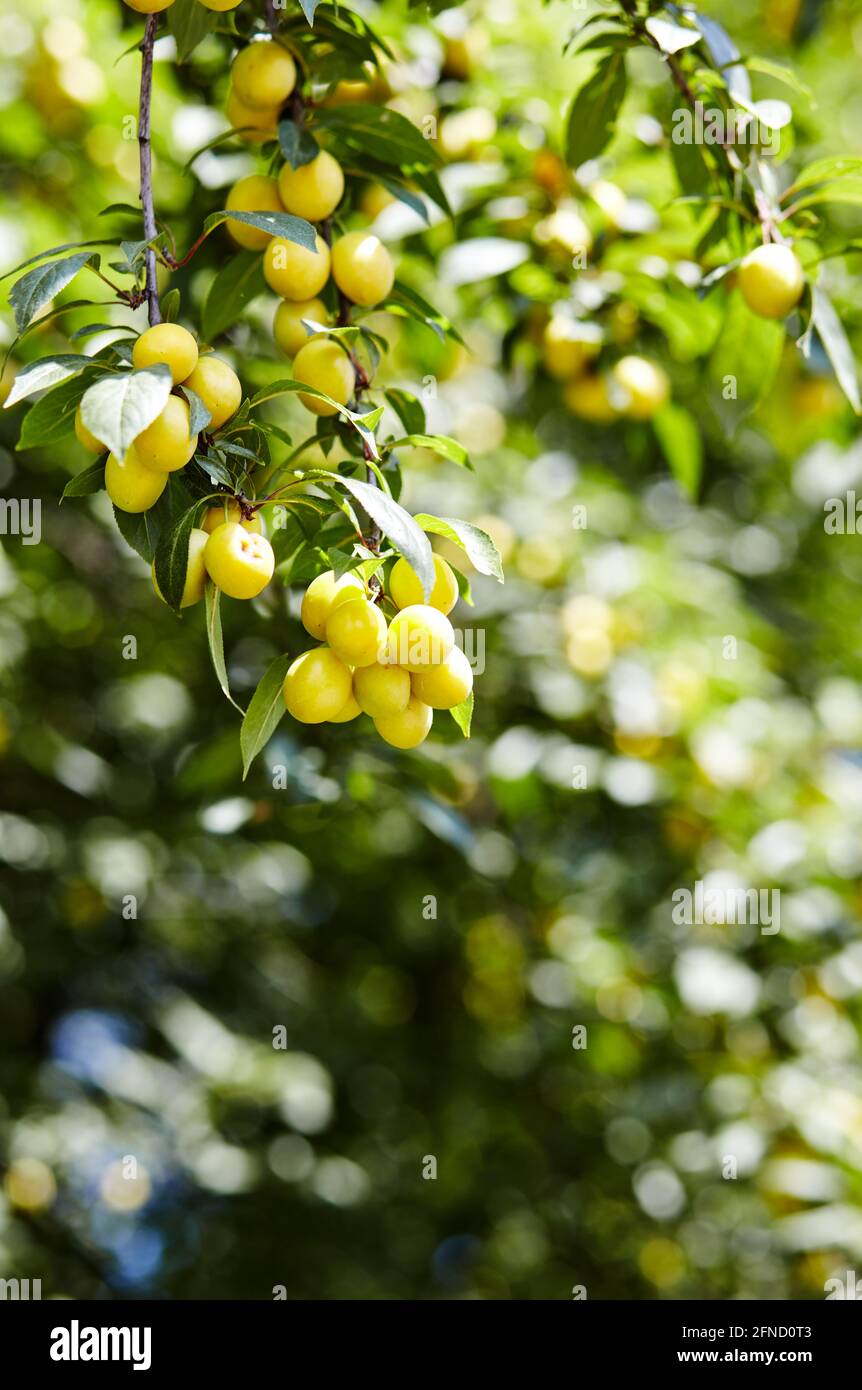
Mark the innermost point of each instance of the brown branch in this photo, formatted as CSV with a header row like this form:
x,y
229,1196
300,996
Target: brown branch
x,y
146,165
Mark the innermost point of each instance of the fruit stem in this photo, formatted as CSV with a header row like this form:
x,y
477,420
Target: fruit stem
x,y
146,166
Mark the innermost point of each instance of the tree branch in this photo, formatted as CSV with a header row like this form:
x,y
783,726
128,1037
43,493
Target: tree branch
x,y
152,291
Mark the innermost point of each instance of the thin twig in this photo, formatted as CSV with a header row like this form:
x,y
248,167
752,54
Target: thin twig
x,y
153,310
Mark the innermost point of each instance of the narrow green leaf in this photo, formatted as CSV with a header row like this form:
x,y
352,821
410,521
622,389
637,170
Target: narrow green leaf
x,y
40,376
681,444
298,146
830,331
593,113
172,557
91,480
215,639
438,444
53,251
189,22
238,282
463,715
281,224
264,712
199,416
408,408
35,289
170,302
477,544
403,531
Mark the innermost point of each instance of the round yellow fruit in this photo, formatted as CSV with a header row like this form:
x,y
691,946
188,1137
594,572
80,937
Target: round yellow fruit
x,y
589,398
314,190
324,364
264,74
409,728
356,631
229,510
254,123
374,199
88,440
323,594
448,684
381,690
406,588
239,562
166,444
218,387
294,272
130,486
317,686
351,711
419,637
148,6
643,387
771,280
196,574
220,5
362,268
287,327
254,193
168,343
567,346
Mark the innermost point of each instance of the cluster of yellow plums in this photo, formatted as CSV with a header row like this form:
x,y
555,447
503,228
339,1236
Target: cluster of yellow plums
x,y
397,672
156,6
263,76
230,549
634,387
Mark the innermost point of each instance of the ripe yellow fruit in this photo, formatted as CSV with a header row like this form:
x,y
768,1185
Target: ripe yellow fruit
x,y
317,686
643,386
218,386
464,133
294,272
351,711
254,193
771,280
287,326
264,74
324,364
323,594
239,562
220,5
448,684
589,398
406,589
362,268
196,575
229,510
409,728
381,690
168,343
356,631
166,444
419,637
374,199
314,190
256,123
567,346
148,6
130,486
88,440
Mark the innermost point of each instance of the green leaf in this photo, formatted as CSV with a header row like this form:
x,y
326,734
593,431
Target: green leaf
x,y
481,550
35,289
407,196
843,190
408,408
463,715
91,480
820,171
681,444
189,22
39,376
264,712
281,224
238,282
780,73
671,38
297,145
212,598
141,530
593,114
53,417
410,304
744,361
172,557
118,407
54,251
403,531
379,131
170,302
199,416
438,444
831,333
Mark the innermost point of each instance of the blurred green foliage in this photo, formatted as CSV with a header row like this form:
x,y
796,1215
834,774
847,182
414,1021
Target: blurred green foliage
x,y
671,693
